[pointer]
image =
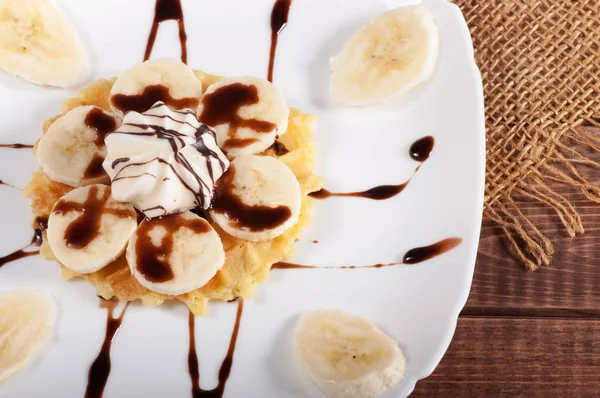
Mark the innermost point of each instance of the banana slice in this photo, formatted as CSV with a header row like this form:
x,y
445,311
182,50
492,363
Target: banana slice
x,y
26,325
163,79
392,54
88,229
248,114
257,199
346,355
72,150
175,254
39,45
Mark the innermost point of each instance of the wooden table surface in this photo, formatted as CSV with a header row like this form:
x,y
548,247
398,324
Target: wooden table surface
x,y
529,334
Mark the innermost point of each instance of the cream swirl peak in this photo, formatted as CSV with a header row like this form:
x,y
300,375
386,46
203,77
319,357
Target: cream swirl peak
x,y
163,161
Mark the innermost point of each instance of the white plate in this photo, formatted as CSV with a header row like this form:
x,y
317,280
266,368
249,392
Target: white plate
x,y
358,149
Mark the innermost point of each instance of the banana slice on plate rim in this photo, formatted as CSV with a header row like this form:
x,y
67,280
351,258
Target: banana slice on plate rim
x,y
346,355
38,44
387,57
26,325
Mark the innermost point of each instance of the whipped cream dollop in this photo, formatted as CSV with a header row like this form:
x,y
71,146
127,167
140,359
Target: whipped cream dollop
x,y
163,161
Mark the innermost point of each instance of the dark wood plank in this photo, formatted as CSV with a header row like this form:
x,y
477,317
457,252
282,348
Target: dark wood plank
x,y
570,286
518,357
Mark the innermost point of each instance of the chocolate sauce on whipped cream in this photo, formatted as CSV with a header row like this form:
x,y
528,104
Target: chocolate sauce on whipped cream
x,y
165,10
150,96
222,106
279,19
413,256
255,218
100,368
16,146
85,228
153,260
226,365
419,151
182,132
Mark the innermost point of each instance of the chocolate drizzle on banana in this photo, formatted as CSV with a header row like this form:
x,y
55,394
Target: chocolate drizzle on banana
x,y
86,227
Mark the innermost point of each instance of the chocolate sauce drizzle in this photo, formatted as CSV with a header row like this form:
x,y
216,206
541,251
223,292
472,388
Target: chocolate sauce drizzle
x,y
100,368
419,151
36,240
413,256
222,106
95,169
102,122
226,365
85,228
279,148
117,161
153,261
255,218
279,19
151,95
9,185
165,10
420,254
176,142
16,146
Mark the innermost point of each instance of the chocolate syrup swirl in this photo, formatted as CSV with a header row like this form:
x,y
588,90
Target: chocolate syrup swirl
x,y
151,95
413,256
16,146
153,260
279,19
36,240
222,106
166,10
255,218
100,368
226,365
419,151
85,228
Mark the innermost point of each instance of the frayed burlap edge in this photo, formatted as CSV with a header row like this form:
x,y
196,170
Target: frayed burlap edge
x,y
531,245
540,64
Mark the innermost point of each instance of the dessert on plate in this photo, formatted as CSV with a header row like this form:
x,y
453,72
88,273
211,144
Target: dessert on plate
x,y
171,183
164,183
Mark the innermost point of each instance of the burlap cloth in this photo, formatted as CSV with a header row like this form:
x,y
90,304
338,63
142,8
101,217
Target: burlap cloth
x,y
540,63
